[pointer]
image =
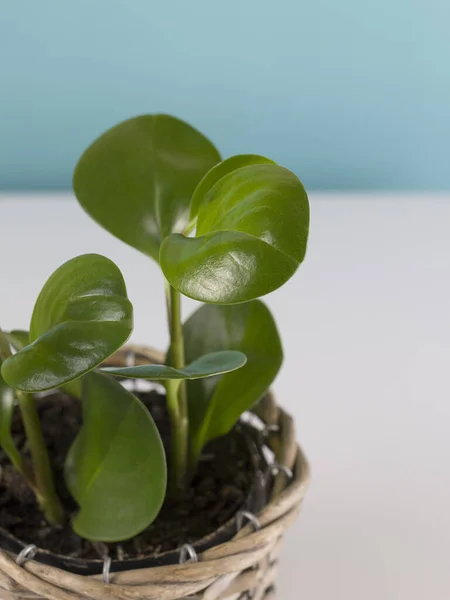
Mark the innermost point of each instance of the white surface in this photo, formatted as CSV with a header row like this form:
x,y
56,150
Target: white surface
x,y
366,331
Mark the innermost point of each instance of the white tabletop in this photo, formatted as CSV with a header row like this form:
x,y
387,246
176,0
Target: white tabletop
x,y
366,330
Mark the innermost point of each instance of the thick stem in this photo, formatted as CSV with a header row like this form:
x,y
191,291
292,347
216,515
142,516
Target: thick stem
x,y
179,431
176,394
45,487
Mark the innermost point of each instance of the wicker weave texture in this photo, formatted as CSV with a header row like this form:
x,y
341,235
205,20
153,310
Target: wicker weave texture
x,y
245,567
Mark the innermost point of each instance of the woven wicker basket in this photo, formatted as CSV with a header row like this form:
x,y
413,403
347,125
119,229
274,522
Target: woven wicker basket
x,y
244,567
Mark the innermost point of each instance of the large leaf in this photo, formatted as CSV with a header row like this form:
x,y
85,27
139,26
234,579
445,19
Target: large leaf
x,y
223,168
137,179
215,404
252,232
116,468
81,317
207,365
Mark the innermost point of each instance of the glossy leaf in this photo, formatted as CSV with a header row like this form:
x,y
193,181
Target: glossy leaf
x,y
205,366
220,170
81,317
252,231
136,180
116,468
18,338
215,404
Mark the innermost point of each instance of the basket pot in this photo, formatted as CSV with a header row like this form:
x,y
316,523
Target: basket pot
x,y
239,561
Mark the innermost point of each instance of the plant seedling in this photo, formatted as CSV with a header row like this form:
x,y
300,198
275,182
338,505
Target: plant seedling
x,y
223,232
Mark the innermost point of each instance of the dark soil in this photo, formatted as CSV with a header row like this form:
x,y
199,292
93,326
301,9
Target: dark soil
x,y
219,488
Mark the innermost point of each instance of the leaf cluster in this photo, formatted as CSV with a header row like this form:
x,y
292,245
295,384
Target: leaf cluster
x,y
224,232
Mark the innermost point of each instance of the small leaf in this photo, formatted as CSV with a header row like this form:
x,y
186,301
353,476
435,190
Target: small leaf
x,y
18,338
81,317
215,404
207,365
116,468
136,180
252,231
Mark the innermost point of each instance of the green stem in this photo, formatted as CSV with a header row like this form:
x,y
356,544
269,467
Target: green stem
x,y
7,443
19,464
176,395
179,439
45,487
190,227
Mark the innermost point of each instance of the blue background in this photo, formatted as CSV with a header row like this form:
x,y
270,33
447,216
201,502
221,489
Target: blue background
x,y
350,94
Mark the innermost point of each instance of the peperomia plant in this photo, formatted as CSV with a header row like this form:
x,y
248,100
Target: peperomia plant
x,y
224,233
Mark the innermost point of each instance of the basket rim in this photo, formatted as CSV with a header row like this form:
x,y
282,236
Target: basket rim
x,y
93,566
246,562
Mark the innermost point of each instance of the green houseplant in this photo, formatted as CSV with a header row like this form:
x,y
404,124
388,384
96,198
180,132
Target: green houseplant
x,y
224,232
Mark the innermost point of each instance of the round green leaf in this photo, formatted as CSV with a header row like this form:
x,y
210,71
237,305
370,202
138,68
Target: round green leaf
x,y
207,365
116,468
252,232
223,168
136,180
216,403
81,317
